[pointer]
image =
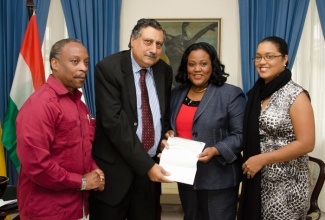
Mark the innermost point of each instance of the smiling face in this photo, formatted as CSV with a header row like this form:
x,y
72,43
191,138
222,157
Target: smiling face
x,y
270,69
147,48
199,68
71,67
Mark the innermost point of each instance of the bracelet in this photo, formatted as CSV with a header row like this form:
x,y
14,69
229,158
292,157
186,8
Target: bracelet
x,y
83,184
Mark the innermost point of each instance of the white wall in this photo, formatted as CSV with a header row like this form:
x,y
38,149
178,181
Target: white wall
x,y
227,10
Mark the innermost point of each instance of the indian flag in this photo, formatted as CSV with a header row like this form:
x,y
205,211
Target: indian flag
x,y
29,76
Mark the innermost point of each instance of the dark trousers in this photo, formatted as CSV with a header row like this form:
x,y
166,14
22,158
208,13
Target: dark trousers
x,y
142,202
208,204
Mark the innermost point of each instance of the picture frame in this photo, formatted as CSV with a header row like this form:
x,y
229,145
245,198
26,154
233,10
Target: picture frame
x,y
181,33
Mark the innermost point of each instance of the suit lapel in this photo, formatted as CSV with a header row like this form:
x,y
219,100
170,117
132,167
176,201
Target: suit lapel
x,y
180,99
160,86
129,81
204,102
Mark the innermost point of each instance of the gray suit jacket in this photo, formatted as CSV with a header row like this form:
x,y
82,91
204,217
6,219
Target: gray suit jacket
x,y
218,122
117,149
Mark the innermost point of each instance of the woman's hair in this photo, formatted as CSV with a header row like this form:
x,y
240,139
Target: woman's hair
x,y
218,75
280,43
143,23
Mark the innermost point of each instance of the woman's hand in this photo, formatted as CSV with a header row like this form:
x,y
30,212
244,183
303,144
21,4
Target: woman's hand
x,y
207,154
253,165
163,143
169,133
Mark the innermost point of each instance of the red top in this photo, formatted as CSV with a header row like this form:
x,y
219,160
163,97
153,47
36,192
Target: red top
x,y
184,121
54,140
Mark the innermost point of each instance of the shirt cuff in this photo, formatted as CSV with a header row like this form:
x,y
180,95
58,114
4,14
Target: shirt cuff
x,y
75,180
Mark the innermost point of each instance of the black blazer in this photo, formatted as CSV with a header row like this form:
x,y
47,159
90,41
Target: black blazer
x,y
117,149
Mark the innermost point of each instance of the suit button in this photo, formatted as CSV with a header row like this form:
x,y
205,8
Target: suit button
x,y
194,134
135,124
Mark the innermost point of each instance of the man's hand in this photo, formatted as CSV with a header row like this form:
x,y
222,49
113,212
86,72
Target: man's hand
x,y
157,174
95,180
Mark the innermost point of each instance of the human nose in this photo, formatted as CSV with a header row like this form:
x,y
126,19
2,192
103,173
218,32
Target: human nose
x,y
84,67
153,49
197,68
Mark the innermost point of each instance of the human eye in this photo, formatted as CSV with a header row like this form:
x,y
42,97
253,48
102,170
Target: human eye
x,y
74,61
258,58
269,57
159,45
204,64
147,42
191,64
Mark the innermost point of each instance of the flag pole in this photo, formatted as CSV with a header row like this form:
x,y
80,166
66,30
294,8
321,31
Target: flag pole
x,y
30,6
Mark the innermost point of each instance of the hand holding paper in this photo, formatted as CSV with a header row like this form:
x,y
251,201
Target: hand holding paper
x,y
180,159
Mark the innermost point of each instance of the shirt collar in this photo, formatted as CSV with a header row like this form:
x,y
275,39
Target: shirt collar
x,y
61,90
136,67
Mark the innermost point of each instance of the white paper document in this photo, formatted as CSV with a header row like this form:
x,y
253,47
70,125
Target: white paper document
x,y
181,158
3,203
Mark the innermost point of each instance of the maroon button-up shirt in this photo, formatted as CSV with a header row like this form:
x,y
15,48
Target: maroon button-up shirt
x,y
54,137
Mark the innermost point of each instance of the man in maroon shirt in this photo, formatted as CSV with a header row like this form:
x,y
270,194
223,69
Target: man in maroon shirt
x,y
54,137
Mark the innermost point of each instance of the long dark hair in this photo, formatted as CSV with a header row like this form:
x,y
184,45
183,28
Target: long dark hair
x,y
218,76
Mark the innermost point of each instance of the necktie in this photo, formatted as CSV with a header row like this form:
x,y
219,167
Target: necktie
x,y
147,122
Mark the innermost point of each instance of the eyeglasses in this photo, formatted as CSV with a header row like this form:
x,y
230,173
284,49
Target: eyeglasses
x,y
266,58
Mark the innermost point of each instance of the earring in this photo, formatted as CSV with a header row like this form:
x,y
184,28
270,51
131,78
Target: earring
x,y
284,65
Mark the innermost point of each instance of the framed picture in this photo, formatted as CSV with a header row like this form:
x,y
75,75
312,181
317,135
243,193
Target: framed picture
x,y
181,33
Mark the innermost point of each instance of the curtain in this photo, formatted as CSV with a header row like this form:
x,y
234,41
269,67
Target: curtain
x,y
97,24
321,11
14,13
263,18
308,71
56,30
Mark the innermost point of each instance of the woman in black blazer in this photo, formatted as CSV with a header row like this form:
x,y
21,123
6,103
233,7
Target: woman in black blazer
x,y
204,108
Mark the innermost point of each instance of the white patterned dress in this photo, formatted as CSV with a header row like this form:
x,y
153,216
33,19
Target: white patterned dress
x,y
285,185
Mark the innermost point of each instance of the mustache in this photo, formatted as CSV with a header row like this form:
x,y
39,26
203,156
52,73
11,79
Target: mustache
x,y
151,55
81,75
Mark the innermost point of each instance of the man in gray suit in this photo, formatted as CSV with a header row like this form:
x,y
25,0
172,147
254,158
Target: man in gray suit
x,y
132,174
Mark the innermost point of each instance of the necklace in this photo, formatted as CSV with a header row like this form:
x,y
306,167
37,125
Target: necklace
x,y
202,90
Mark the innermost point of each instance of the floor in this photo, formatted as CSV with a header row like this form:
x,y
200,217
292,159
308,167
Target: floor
x,y
170,203
171,212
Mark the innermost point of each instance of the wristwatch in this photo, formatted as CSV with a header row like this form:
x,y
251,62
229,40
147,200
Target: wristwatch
x,y
83,184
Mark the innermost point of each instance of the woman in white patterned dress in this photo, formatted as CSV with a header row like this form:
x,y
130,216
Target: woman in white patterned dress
x,y
279,131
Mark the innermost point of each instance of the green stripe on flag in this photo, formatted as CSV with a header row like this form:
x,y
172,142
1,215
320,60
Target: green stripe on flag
x,y
9,133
